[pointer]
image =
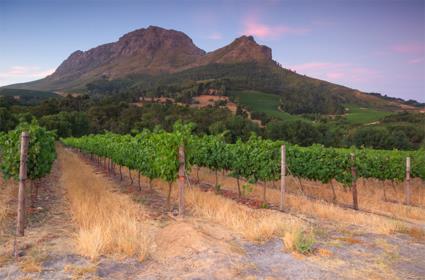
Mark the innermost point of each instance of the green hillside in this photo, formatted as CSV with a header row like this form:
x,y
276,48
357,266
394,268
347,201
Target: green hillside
x,y
261,102
27,96
362,115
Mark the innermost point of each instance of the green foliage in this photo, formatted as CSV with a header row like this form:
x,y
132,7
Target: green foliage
x,y
154,154
28,96
66,124
41,151
304,242
247,189
7,120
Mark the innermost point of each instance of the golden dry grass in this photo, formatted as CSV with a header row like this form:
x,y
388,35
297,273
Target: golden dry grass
x,y
254,225
8,191
315,208
108,222
80,271
370,194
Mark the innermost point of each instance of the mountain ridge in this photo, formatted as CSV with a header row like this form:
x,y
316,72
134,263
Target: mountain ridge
x,y
155,51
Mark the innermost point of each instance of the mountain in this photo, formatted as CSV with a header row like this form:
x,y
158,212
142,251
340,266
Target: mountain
x,y
167,56
151,50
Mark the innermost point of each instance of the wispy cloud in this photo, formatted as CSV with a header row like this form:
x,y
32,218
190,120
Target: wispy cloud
x,y
215,36
253,26
409,48
16,74
416,60
337,72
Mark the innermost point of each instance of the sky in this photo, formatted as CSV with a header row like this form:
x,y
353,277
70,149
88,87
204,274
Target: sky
x,y
370,45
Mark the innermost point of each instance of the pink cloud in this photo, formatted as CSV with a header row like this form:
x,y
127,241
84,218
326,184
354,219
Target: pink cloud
x,y
416,60
252,26
335,75
337,72
410,48
17,74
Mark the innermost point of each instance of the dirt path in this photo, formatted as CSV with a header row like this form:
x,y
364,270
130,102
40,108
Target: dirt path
x,y
195,248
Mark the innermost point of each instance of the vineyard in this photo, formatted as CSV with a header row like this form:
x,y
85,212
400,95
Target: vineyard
x,y
112,215
154,154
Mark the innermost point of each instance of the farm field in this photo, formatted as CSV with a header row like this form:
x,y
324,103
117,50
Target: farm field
x,y
94,223
359,115
269,103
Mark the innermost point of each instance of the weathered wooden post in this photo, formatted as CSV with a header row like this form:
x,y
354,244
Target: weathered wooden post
x,y
407,190
181,180
354,182
20,221
282,176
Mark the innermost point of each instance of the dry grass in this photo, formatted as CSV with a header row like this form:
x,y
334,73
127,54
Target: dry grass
x,y
109,222
8,191
254,225
324,210
32,261
30,265
79,272
370,194
319,208
415,232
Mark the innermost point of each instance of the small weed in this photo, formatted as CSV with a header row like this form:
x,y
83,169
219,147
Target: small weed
x,y
264,205
217,188
247,189
300,241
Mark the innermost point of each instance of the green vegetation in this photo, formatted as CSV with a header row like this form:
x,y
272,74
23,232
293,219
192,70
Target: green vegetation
x,y
260,158
27,96
81,115
362,115
41,151
257,101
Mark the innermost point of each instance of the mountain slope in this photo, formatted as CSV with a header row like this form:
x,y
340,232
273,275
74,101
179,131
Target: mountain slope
x,y
162,56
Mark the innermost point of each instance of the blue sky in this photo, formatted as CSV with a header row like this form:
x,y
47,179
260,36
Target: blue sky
x,y
374,45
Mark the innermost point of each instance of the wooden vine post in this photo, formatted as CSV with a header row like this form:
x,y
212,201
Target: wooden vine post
x,y
407,190
20,221
181,180
282,175
354,182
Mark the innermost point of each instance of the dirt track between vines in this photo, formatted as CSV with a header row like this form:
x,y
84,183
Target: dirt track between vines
x,y
196,248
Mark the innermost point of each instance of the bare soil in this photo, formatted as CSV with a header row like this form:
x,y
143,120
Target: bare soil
x,y
196,248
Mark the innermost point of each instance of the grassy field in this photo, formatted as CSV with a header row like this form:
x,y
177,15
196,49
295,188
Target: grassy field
x,y
262,102
359,115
